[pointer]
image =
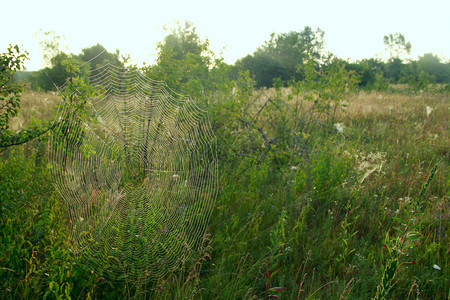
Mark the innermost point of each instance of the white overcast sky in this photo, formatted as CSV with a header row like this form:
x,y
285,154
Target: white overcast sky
x,y
353,28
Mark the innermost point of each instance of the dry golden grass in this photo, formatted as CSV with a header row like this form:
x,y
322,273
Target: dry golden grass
x,y
42,106
35,105
373,102
427,113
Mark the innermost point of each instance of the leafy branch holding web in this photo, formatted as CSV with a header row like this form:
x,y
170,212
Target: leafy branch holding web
x,y
10,62
10,92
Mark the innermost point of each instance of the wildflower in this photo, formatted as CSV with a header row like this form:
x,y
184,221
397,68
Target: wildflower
x,y
339,127
437,267
429,110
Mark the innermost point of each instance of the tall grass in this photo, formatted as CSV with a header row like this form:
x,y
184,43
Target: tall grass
x,y
327,215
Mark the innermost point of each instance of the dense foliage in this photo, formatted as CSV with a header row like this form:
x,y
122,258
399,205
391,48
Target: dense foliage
x,y
326,191
11,62
282,56
62,66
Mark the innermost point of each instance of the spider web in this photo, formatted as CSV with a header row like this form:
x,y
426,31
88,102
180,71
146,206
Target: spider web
x,y
139,175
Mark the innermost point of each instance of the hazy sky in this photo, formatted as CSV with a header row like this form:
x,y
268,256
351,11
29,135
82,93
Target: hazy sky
x,y
353,28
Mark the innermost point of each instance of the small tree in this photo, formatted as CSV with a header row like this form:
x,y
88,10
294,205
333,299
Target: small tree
x,y
10,62
76,91
97,55
51,44
397,45
431,64
55,73
328,86
282,55
187,66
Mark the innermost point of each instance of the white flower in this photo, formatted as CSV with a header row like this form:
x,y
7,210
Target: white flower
x,y
436,267
429,110
339,127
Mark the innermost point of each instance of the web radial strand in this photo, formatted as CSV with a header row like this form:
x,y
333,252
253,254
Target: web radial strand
x,y
139,175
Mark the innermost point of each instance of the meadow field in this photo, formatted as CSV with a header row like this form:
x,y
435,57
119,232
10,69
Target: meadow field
x,y
353,207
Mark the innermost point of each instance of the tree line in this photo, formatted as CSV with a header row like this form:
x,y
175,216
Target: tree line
x,y
183,56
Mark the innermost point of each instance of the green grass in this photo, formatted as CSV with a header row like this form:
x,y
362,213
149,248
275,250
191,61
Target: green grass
x,y
298,216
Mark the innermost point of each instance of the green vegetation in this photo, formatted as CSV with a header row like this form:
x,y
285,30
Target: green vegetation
x,y
327,190
11,62
282,55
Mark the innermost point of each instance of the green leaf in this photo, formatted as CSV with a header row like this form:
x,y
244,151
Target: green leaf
x,y
274,272
277,289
